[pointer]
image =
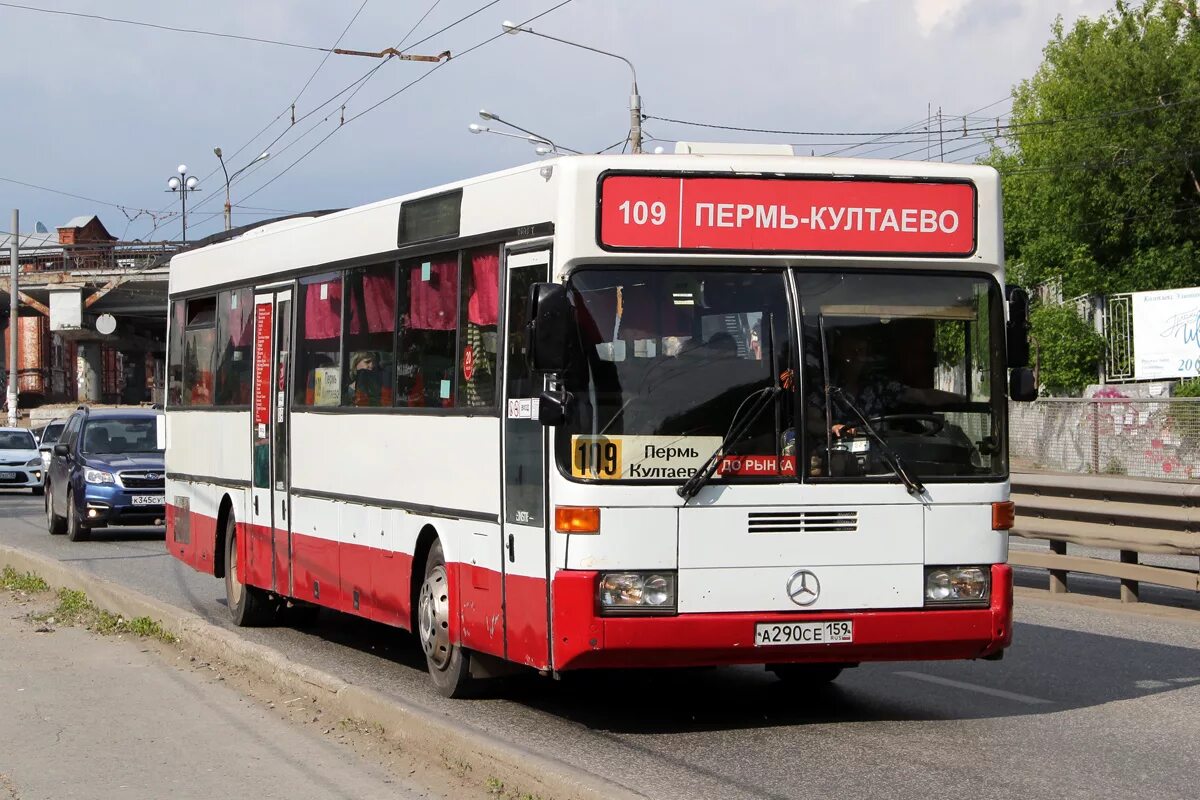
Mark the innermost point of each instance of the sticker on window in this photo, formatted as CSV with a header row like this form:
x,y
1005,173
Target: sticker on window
x,y
640,457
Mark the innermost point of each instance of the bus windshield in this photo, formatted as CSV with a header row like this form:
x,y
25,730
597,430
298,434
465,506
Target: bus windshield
x,y
678,365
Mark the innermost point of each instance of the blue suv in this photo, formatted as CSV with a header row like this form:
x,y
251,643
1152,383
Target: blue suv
x,y
106,469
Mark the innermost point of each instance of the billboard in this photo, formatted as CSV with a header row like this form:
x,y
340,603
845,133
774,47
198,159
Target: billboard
x,y
1166,334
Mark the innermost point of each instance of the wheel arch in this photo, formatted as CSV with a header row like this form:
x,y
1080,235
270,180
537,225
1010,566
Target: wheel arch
x,y
224,511
425,540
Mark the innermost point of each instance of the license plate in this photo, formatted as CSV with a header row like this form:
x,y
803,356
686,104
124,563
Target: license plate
x,y
861,445
839,631
148,499
7,476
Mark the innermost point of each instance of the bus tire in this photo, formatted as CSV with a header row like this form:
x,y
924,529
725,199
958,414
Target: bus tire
x,y
801,675
249,606
54,523
448,663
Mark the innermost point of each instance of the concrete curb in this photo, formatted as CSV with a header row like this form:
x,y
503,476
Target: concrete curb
x,y
418,729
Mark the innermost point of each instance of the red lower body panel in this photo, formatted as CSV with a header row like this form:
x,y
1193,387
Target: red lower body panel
x,y
329,573
584,639
193,542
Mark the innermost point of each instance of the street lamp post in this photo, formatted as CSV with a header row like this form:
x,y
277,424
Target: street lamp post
x,y
635,99
534,138
229,209
183,184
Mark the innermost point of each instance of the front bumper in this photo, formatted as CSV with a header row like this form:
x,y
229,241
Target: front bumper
x,y
21,477
584,639
105,504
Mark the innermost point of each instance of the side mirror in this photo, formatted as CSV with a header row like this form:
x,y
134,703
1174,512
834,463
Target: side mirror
x,y
1021,386
549,328
1017,330
62,450
553,408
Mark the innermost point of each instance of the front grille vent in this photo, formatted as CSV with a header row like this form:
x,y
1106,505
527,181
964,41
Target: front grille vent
x,y
802,521
143,480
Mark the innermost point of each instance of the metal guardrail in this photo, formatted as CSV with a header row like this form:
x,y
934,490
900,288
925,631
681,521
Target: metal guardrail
x,y
1122,514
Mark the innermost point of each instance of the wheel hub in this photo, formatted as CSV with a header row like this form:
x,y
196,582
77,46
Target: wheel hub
x,y
235,582
433,618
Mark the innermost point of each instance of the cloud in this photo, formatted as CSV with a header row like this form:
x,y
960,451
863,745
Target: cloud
x,y
932,14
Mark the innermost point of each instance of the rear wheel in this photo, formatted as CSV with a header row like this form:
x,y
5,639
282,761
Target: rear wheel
x,y
54,523
449,663
801,675
248,605
76,530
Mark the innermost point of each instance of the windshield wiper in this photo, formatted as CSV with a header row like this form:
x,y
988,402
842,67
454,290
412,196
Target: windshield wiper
x,y
890,456
737,429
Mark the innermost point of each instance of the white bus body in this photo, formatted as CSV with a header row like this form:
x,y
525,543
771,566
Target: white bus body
x,y
353,490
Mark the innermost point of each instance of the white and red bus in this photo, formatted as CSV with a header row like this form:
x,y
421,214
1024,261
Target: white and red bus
x,y
721,406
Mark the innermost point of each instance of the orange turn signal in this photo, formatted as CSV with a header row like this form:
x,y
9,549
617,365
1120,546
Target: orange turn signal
x,y
1003,515
576,519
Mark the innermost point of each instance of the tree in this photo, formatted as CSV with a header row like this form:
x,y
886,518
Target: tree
x,y
1101,183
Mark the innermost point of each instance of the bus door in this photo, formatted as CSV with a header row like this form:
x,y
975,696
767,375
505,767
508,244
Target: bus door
x,y
524,532
269,546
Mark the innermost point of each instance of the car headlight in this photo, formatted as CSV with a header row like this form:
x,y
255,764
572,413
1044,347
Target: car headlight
x,y
637,592
97,476
34,462
957,585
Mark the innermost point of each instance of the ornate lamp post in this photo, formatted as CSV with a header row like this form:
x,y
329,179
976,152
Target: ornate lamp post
x,y
183,184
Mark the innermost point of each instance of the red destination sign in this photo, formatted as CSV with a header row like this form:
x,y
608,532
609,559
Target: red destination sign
x,y
647,212
262,363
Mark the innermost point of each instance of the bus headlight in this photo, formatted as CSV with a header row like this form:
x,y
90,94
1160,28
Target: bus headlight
x,y
637,592
956,585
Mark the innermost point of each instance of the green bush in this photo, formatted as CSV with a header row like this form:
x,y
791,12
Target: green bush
x,y
1188,388
1068,350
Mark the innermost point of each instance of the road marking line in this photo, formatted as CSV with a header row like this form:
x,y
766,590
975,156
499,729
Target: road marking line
x,y
972,687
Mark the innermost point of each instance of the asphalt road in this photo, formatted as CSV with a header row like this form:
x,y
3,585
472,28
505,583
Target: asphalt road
x,y
1088,703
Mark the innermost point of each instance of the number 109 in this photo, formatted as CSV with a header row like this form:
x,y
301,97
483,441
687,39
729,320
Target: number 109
x,y
640,212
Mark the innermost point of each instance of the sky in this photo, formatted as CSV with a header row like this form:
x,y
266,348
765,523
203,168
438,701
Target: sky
x,y
107,111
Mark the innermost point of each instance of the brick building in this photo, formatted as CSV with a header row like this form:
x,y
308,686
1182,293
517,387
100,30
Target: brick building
x,y
67,281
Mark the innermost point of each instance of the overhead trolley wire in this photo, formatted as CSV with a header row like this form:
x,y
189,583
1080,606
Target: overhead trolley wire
x,y
353,87
172,28
405,88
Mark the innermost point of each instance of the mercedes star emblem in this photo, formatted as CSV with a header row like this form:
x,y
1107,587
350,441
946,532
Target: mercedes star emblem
x,y
803,588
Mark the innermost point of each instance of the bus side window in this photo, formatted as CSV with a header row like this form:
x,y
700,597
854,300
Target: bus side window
x,y
370,335
429,301
318,341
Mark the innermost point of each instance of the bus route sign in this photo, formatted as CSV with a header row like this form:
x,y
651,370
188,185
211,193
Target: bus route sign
x,y
787,215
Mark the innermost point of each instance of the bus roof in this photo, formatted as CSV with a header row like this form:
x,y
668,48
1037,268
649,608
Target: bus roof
x,y
563,195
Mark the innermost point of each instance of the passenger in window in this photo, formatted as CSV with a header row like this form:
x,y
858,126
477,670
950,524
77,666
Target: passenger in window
x,y
366,388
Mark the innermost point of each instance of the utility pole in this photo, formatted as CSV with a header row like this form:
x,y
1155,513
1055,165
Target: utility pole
x,y
941,140
14,258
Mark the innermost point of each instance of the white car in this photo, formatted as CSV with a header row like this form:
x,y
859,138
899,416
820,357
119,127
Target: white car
x,y
20,462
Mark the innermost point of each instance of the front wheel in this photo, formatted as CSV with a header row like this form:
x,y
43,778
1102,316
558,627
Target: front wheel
x,y
76,530
36,491
248,605
449,663
54,523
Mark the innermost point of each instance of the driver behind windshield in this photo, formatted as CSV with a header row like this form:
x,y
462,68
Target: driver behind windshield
x,y
867,386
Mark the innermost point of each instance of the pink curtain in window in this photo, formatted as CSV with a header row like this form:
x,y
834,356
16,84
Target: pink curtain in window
x,y
379,295
483,307
323,316
434,303
241,331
